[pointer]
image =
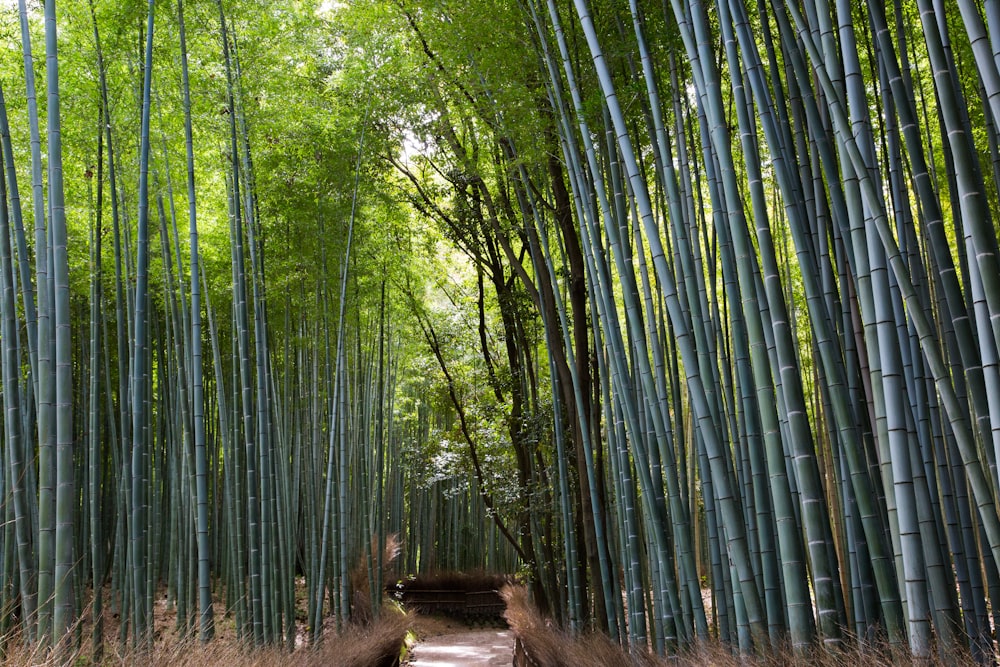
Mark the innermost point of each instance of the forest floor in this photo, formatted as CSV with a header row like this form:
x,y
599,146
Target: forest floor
x,y
443,642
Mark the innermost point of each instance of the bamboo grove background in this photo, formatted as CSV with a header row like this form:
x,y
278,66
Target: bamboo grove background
x,y
687,311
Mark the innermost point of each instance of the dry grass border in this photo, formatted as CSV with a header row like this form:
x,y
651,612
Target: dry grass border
x,y
547,646
377,644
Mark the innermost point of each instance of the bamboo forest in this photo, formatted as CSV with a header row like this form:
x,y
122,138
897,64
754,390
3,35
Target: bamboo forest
x,y
681,315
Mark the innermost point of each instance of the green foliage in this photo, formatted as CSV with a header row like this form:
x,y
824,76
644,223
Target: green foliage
x,y
670,296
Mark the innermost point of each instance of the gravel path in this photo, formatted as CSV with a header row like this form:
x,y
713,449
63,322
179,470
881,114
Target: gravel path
x,y
473,648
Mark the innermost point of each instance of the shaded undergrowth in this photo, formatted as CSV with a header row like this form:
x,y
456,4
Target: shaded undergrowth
x,y
467,582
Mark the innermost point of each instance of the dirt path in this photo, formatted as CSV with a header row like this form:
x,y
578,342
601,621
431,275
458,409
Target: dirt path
x,y
446,644
473,648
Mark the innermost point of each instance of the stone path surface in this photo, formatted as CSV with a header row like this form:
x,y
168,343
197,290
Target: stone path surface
x,y
472,648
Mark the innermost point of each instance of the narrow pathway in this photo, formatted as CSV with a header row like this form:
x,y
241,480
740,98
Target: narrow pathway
x,y
472,648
